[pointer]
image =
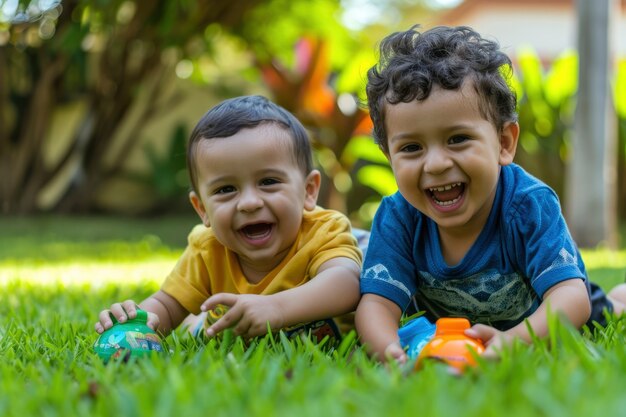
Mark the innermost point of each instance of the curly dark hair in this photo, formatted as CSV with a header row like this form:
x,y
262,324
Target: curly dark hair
x,y
412,62
230,116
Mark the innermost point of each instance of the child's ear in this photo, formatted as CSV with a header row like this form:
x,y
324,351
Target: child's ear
x,y
196,202
312,189
508,142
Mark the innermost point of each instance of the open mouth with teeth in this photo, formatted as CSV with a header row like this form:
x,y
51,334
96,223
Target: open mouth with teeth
x,y
257,232
447,195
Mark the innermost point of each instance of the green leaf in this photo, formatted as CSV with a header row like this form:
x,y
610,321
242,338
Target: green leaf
x,y
561,82
353,77
362,147
531,73
378,178
620,89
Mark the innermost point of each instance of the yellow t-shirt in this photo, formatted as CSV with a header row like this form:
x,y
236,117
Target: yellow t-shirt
x,y
206,267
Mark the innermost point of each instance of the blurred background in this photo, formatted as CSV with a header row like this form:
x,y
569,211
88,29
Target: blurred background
x,y
97,97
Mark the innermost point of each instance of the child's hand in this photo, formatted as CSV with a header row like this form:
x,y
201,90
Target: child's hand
x,y
248,314
493,339
395,352
122,312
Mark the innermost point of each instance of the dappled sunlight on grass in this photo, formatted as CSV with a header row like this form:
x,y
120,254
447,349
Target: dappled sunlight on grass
x,y
607,268
97,251
94,273
62,239
603,258
61,251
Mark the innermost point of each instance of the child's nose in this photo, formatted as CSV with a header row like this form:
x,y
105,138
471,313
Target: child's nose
x,y
249,200
437,160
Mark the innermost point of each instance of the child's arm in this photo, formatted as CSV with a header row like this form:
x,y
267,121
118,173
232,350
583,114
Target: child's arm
x,y
568,299
164,313
376,322
332,292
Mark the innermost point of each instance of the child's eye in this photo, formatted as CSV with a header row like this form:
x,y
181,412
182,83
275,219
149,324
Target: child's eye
x,y
456,139
411,147
269,181
225,189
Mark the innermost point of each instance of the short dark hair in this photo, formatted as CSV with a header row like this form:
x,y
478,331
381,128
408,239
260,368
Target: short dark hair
x,y
230,116
411,63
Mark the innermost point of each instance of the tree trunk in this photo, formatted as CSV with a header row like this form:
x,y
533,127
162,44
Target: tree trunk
x,y
591,188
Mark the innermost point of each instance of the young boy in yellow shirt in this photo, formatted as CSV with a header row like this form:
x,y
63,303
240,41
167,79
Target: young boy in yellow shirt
x,y
264,249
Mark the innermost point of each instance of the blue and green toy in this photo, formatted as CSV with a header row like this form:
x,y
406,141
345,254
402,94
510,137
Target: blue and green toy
x,y
128,340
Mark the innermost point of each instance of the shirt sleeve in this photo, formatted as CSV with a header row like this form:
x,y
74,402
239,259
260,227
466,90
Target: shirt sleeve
x,y
389,268
332,238
189,281
544,248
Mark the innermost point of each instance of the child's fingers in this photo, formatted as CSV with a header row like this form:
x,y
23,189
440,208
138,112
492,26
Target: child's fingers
x,y
492,352
243,328
249,327
153,321
104,322
118,312
121,312
482,332
105,319
130,307
395,352
229,319
492,338
224,298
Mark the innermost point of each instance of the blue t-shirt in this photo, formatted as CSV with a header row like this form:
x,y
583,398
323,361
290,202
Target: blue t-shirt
x,y
524,249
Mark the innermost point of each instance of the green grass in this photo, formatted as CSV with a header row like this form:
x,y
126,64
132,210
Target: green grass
x,y
56,275
59,239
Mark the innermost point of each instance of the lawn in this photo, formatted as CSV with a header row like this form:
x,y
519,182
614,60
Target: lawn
x,y
56,274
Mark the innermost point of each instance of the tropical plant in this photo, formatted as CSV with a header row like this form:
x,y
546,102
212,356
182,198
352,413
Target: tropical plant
x,y
546,107
546,110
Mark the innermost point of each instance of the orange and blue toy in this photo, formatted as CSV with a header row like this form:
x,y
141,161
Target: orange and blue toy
x,y
451,346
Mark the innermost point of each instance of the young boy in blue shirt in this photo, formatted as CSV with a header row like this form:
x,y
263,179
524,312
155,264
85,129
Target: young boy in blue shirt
x,y
469,233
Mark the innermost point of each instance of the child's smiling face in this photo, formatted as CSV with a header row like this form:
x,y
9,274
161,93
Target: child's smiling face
x,y
252,193
446,156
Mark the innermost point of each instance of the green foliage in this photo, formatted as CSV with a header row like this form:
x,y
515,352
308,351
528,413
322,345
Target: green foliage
x,y
169,171
379,178
108,50
546,104
620,89
353,76
115,60
293,20
373,172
